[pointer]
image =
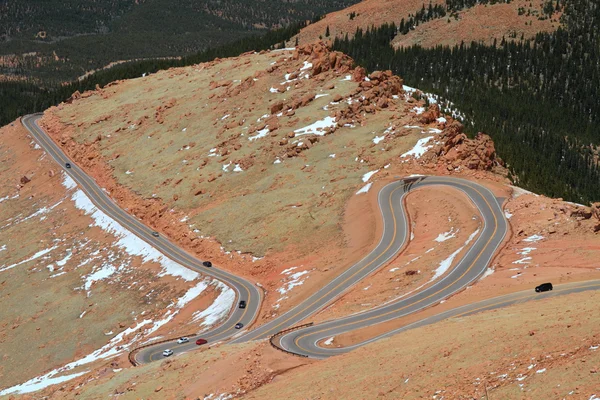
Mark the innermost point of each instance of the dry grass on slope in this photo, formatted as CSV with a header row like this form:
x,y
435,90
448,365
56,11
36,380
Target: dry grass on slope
x,y
67,286
482,23
539,349
219,156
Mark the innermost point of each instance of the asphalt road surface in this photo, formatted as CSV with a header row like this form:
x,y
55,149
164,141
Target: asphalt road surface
x,y
395,232
244,289
470,267
306,341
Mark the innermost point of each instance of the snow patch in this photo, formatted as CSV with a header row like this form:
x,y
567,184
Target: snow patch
x,y
39,383
487,273
368,175
219,309
261,134
419,148
317,128
442,237
33,257
445,264
533,238
378,139
365,188
129,242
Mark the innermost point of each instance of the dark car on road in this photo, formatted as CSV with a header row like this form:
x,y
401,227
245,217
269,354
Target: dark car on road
x,y
207,264
200,342
243,304
68,165
544,287
155,234
239,325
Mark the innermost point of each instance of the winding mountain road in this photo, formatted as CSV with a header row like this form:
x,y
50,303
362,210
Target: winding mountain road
x,y
307,341
394,236
244,289
474,262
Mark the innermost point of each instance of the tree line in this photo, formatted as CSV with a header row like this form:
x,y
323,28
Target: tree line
x,y
26,97
538,99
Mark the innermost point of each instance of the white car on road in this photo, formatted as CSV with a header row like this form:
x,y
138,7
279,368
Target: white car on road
x,y
183,340
167,353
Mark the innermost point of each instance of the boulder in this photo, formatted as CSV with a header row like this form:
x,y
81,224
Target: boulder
x,y
277,107
429,116
581,213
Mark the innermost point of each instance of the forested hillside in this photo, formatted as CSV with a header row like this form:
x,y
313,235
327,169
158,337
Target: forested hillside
x,y
537,99
20,98
54,40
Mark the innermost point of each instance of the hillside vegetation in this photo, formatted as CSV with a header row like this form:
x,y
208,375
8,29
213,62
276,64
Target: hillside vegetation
x,y
62,39
536,98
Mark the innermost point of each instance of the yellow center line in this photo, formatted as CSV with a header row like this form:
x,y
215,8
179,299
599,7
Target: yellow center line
x,y
419,301
350,277
110,206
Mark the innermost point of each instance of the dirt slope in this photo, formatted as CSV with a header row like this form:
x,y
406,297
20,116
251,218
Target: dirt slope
x,y
542,349
252,156
481,23
70,288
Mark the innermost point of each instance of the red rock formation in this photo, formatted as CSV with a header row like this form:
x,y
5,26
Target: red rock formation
x,y
455,150
429,116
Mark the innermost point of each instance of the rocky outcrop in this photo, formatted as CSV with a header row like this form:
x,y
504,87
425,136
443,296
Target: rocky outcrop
x,y
322,59
595,209
456,150
429,116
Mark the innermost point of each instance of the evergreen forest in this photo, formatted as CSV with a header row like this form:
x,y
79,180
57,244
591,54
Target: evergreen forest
x,y
538,99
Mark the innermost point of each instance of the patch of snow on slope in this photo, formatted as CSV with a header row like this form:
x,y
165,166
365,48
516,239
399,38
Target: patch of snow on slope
x,y
328,341
378,139
9,197
368,175
126,240
292,280
445,264
219,309
40,383
487,273
33,257
526,250
442,237
306,66
365,188
261,134
533,239
317,128
419,148
104,272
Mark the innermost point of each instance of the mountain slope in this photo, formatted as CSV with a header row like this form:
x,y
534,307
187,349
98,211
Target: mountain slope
x,y
63,39
439,22
77,291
